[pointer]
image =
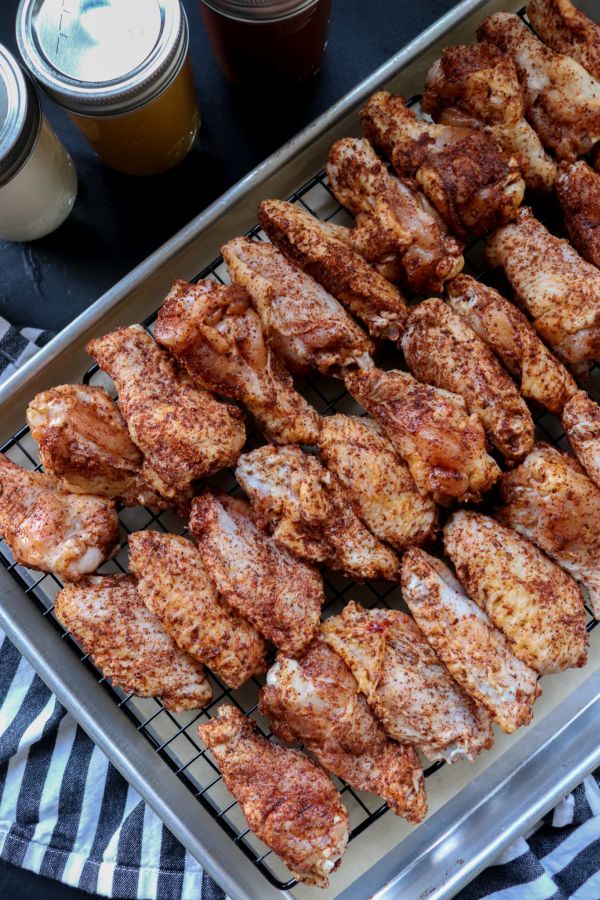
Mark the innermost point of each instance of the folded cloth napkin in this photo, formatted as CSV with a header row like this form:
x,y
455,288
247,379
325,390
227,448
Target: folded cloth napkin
x,y
17,345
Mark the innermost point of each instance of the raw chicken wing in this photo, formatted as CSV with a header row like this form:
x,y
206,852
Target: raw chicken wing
x,y
578,192
567,30
581,421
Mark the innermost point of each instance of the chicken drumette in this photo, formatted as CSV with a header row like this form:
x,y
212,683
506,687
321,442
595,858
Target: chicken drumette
x,y
578,192
581,421
567,30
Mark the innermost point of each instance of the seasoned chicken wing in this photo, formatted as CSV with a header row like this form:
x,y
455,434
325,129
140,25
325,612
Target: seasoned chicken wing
x,y
581,421
578,192
300,319
443,350
278,593
527,596
307,511
551,501
567,30
474,651
397,230
464,173
406,685
315,699
213,332
182,430
128,644
53,531
443,446
288,801
562,100
504,328
175,585
559,289
376,480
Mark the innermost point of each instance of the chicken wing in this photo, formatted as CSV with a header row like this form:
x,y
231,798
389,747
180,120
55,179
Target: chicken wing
x,y
471,183
376,480
176,587
443,446
182,430
53,531
406,685
527,596
315,699
213,332
559,289
306,510
443,350
300,319
581,421
562,100
567,30
288,801
127,643
281,596
504,328
578,192
397,230
476,86
474,651
550,500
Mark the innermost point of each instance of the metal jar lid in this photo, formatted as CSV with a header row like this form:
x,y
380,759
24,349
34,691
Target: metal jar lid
x,y
259,10
20,116
102,57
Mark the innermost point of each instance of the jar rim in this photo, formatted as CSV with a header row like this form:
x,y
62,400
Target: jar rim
x,y
259,11
22,116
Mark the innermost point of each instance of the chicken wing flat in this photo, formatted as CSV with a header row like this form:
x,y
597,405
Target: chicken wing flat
x,y
581,421
474,651
562,100
551,501
213,332
567,30
476,86
315,699
406,685
176,587
280,595
397,229
53,531
376,480
305,508
578,192
559,289
504,328
464,173
182,430
300,319
288,801
443,446
443,350
527,596
128,644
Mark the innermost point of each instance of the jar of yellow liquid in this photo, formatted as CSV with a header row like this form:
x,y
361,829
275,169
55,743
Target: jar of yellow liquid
x,y
122,71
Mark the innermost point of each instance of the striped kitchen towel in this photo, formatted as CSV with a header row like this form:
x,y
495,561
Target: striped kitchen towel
x,y
17,345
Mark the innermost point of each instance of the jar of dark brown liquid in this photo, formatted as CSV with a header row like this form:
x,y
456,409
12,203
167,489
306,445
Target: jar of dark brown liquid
x,y
279,40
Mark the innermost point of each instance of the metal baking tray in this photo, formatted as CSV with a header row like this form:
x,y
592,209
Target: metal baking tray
x,y
475,809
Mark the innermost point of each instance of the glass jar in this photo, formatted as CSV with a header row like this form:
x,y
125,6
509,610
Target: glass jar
x,y
122,71
38,183
279,40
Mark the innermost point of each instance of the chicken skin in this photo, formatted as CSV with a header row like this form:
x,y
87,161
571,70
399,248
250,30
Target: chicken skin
x,y
288,801
406,685
318,250
581,421
504,328
441,349
397,230
474,651
551,501
53,531
183,431
578,192
302,322
307,511
567,30
280,595
562,100
464,173
559,289
176,587
127,643
527,596
315,699
443,446
376,480
476,86
213,332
